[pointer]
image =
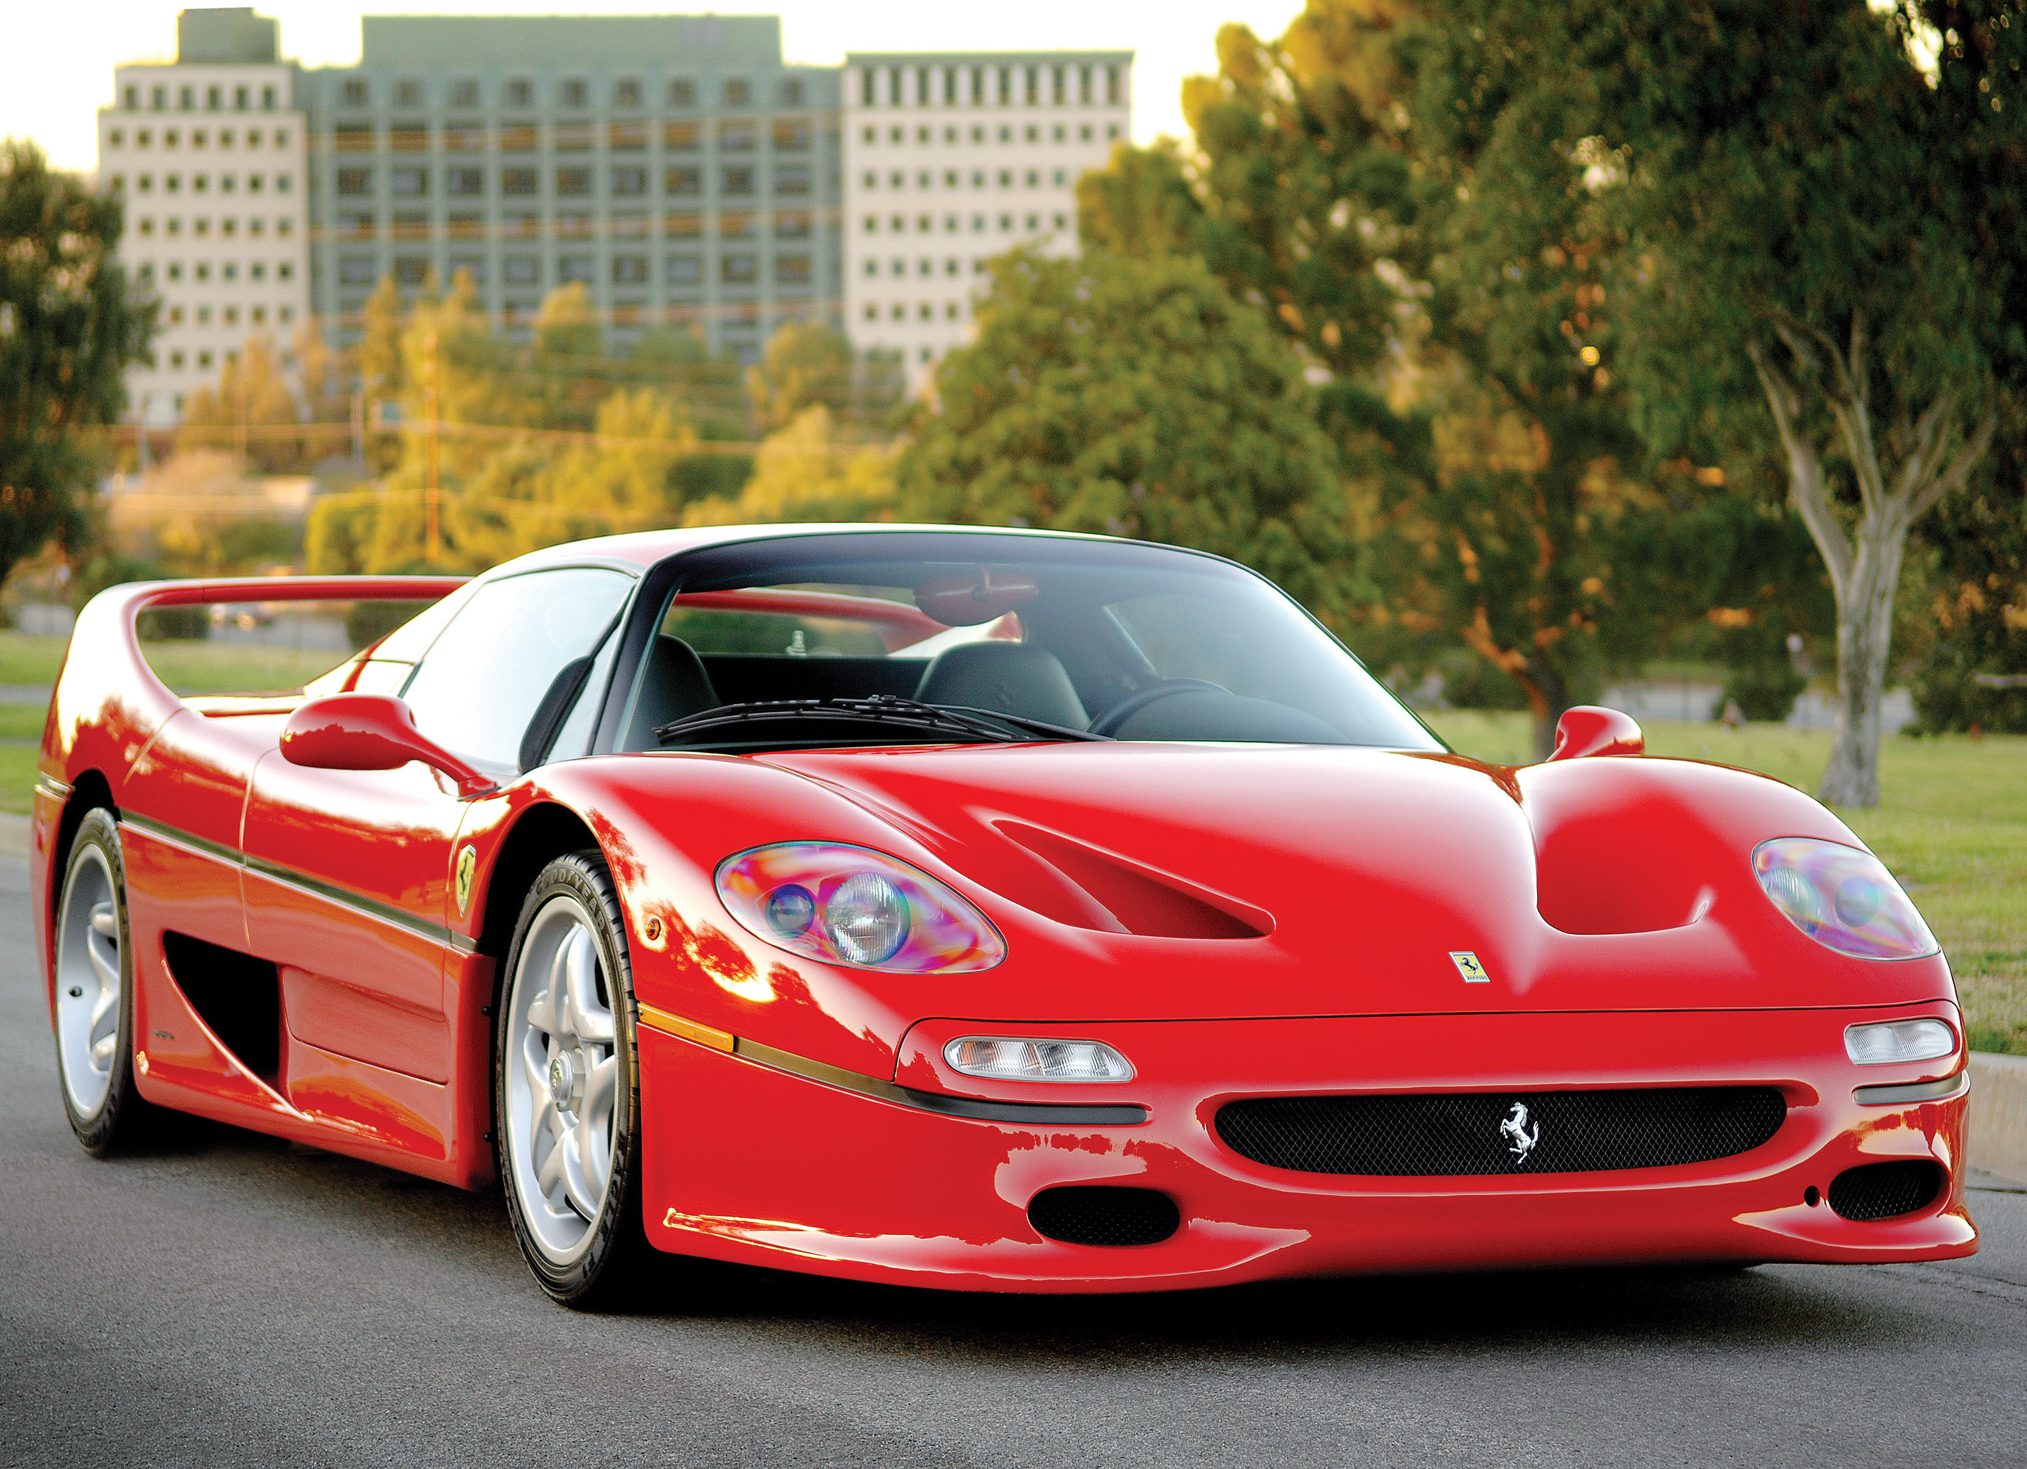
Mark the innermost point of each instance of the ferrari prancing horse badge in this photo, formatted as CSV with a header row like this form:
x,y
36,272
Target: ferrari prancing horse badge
x,y
467,863
1467,964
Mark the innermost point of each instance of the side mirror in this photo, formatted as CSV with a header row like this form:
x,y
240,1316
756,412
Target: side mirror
x,y
1589,729
369,732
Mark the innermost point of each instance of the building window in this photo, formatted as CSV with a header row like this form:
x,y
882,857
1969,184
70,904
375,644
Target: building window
x,y
738,91
353,93
407,183
520,92
355,270
792,135
681,137
355,182
573,137
629,270
733,226
870,136
626,92
285,271
628,137
872,267
575,93
411,270
683,270
408,93
737,137
571,268
519,181
791,224
683,179
682,92
133,99
738,182
464,181
521,270
791,92
629,180
792,270
739,269
464,92
473,267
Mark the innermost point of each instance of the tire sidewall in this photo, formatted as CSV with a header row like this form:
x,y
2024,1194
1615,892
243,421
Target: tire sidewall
x,y
618,1238
119,1116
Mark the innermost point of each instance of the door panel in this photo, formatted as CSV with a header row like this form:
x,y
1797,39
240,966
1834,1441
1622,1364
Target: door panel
x,y
346,885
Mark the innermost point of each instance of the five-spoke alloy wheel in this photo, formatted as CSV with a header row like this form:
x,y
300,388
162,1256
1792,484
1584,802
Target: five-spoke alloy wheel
x,y
565,1088
95,990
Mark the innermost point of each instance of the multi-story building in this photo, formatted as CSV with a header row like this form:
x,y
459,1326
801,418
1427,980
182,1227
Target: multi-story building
x,y
951,158
207,152
673,164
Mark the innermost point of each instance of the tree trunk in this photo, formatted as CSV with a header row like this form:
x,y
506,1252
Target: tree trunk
x,y
1864,561
1864,639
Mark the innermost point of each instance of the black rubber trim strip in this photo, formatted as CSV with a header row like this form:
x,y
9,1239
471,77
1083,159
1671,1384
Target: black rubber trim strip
x,y
1947,1089
330,892
972,1108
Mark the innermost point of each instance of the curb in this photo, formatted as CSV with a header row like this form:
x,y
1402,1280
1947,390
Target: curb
x,y
1998,1143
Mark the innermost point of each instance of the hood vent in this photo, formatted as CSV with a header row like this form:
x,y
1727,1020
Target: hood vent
x,y
1137,898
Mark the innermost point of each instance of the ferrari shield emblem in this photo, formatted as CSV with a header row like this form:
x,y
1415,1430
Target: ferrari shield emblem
x,y
467,864
1468,967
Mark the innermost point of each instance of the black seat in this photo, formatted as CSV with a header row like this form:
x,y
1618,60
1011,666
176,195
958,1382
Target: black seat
x,y
1012,678
673,684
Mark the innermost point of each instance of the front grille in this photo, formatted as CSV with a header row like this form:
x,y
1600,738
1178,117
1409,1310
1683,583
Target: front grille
x,y
1885,1190
1098,1214
1502,1132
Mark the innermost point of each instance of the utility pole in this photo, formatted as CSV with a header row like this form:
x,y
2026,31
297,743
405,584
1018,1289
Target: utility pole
x,y
433,495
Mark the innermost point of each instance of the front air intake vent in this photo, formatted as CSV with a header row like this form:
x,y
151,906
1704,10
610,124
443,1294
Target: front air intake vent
x,y
1886,1190
1099,1214
1460,1133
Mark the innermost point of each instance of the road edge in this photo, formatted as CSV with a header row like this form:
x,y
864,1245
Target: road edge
x,y
14,832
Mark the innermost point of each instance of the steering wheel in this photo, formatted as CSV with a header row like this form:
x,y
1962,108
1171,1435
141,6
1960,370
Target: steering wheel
x,y
1109,722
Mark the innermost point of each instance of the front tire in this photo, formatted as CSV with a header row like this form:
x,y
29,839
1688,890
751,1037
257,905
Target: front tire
x,y
566,1088
94,974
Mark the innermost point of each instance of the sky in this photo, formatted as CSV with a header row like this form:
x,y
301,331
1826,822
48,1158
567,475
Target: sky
x,y
56,60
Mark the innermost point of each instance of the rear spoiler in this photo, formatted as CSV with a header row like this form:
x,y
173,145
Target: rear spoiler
x,y
105,646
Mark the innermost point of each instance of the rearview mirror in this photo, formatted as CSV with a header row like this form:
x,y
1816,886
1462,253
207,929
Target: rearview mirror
x,y
369,732
1590,729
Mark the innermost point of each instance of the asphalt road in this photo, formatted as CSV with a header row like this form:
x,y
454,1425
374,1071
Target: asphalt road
x,y
241,1301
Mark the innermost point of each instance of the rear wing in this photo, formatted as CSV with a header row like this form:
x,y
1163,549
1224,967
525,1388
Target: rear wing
x,y
105,662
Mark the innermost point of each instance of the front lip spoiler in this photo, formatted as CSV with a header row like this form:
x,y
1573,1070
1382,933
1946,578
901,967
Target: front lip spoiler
x,y
1949,1088
971,1108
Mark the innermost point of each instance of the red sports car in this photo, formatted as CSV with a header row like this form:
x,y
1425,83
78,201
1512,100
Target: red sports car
x,y
985,909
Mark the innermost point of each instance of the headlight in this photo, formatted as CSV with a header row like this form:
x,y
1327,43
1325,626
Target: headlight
x,y
850,905
1842,898
1898,1040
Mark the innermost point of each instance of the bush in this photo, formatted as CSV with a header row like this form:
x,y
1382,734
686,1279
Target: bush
x,y
1764,692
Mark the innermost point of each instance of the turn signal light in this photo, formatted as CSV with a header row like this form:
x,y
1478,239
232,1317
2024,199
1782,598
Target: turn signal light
x,y
1005,1058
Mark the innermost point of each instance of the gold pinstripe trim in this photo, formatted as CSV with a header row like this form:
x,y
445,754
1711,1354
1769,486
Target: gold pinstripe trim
x,y
669,1023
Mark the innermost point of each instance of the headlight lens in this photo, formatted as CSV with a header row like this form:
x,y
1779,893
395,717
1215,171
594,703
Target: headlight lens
x,y
849,905
1842,897
1009,1058
1898,1040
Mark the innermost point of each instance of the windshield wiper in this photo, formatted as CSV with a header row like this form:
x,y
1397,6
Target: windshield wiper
x,y
889,709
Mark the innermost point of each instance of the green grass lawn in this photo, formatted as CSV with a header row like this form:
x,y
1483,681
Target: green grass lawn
x,y
1952,824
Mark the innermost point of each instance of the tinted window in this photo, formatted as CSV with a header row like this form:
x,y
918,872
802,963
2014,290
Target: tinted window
x,y
481,681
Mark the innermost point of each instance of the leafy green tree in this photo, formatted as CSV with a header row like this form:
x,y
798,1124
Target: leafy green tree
x,y
1822,258
808,470
69,326
1135,397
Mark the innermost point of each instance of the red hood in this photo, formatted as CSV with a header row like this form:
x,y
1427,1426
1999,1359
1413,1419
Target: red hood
x,y
1234,880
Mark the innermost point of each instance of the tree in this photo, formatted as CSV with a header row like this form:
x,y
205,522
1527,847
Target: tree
x,y
1134,397
251,412
1824,259
1444,279
68,328
808,470
806,364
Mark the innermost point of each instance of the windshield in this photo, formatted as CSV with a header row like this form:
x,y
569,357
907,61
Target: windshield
x,y
759,642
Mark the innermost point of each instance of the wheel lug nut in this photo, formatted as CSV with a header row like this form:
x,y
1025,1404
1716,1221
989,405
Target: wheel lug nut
x,y
77,992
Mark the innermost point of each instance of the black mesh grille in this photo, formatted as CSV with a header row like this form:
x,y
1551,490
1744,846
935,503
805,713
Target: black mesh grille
x,y
1502,1132
1096,1214
1885,1190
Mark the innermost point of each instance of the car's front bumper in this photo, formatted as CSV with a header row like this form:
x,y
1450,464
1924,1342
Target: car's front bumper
x,y
746,1159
